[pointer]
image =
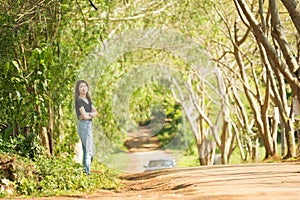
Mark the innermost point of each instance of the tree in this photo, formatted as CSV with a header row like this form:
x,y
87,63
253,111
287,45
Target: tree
x,y
287,68
34,62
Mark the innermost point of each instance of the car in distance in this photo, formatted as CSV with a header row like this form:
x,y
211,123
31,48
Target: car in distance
x,y
160,164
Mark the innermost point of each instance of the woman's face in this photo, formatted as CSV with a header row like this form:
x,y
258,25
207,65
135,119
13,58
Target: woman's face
x,y
83,88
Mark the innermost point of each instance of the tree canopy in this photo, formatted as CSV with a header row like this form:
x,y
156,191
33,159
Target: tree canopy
x,y
245,92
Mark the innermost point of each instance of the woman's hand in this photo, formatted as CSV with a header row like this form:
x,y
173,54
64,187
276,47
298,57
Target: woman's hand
x,y
93,114
84,115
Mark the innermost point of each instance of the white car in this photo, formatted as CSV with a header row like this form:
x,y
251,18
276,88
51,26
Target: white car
x,y
160,164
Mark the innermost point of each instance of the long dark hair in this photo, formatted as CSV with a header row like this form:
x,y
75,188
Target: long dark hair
x,y
88,96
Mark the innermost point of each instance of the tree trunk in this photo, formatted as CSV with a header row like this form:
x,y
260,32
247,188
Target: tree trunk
x,y
267,138
51,124
226,136
45,140
287,68
293,8
260,115
270,50
226,141
206,151
290,139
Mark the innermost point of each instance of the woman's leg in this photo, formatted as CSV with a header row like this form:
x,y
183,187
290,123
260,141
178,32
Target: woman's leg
x,y
86,136
89,148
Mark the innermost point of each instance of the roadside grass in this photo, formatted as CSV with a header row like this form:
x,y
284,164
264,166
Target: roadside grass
x,y
190,159
53,176
117,161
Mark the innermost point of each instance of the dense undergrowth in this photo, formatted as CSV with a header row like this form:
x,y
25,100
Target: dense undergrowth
x,y
33,174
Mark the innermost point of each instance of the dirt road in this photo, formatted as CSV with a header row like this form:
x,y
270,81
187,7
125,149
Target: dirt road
x,y
276,181
265,181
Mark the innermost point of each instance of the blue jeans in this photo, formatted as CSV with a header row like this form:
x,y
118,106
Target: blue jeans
x,y
87,141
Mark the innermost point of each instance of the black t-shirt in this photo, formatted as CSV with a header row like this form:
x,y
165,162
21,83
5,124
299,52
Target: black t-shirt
x,y
87,107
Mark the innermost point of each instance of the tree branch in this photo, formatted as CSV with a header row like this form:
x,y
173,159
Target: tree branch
x,y
271,52
93,5
278,34
293,9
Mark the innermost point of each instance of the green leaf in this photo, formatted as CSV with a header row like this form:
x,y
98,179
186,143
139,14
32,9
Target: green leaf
x,y
16,64
6,68
18,95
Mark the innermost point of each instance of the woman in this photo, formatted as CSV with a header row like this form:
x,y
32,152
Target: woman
x,y
85,113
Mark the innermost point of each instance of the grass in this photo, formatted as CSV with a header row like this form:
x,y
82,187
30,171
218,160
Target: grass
x,y
52,176
188,161
191,158
117,161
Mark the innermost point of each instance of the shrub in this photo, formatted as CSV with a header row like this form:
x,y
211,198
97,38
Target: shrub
x,y
29,147
52,176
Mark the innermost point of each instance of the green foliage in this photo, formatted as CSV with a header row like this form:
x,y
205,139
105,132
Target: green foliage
x,y
57,176
189,158
28,147
62,175
42,45
172,126
35,64
43,50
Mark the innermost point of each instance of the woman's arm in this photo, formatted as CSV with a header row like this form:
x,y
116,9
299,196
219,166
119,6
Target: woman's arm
x,y
94,112
84,115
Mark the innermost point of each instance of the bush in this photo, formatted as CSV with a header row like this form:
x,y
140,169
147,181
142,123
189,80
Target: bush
x,y
29,147
52,176
63,175
25,170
